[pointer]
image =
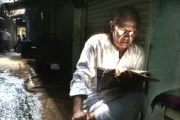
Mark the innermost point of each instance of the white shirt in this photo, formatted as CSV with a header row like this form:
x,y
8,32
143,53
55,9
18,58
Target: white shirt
x,y
5,35
99,52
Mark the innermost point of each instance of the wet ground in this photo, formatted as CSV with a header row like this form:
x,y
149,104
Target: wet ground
x,y
51,102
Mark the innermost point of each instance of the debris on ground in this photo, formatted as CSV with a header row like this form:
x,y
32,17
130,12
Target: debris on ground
x,y
20,103
15,101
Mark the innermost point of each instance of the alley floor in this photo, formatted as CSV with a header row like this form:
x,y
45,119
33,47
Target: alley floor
x,y
19,102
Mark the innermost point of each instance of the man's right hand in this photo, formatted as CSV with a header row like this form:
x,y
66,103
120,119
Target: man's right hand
x,y
119,71
80,115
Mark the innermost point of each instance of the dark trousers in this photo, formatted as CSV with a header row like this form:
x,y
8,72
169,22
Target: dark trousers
x,y
6,45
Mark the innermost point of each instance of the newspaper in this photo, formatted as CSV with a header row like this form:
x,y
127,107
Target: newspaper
x,y
128,79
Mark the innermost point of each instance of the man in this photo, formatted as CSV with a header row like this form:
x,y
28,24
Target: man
x,y
6,40
17,47
23,38
116,50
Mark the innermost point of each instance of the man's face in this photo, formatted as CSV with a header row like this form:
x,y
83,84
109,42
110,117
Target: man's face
x,y
123,34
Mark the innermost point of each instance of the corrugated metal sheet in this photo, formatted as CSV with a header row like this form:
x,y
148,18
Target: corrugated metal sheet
x,y
47,19
99,13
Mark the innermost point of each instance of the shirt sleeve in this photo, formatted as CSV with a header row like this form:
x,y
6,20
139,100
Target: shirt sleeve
x,y
85,71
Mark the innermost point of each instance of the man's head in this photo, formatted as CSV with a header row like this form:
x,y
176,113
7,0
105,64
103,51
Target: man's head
x,y
124,26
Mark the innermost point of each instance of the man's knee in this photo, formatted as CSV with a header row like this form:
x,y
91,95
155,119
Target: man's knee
x,y
102,113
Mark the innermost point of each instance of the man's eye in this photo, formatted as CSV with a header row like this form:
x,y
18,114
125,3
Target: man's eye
x,y
131,33
120,32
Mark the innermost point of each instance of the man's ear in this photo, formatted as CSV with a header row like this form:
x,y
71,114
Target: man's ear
x,y
111,23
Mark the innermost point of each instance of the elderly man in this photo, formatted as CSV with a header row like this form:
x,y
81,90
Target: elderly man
x,y
118,51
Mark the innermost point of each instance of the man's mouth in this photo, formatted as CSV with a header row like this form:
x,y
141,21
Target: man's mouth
x,y
125,42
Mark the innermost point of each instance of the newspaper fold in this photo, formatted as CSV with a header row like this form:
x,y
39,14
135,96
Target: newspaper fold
x,y
130,79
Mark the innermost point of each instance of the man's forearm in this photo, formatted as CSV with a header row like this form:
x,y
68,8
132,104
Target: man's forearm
x,y
77,103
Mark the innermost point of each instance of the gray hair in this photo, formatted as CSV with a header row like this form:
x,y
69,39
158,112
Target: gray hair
x,y
124,13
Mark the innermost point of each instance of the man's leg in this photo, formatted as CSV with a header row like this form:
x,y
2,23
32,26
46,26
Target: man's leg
x,y
124,108
103,113
3,45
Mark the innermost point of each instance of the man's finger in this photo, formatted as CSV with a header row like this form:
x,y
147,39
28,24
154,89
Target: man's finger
x,y
117,73
79,116
87,117
92,116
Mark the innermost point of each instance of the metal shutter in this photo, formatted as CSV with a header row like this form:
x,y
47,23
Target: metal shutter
x,y
100,11
64,21
63,28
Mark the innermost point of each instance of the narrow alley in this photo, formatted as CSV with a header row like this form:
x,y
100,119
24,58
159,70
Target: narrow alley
x,y
51,50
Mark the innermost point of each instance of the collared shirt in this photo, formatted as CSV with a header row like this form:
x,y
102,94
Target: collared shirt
x,y
99,52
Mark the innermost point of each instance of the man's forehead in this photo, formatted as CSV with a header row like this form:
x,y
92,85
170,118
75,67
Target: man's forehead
x,y
127,23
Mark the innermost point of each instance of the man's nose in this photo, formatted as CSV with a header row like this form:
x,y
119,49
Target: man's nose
x,y
127,36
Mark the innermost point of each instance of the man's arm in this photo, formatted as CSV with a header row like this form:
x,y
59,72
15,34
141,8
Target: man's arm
x,y
83,75
77,103
85,69
78,107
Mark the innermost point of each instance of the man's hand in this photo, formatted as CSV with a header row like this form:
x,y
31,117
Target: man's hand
x,y
119,71
80,115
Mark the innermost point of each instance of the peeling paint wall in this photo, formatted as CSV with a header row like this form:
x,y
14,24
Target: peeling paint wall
x,y
164,56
